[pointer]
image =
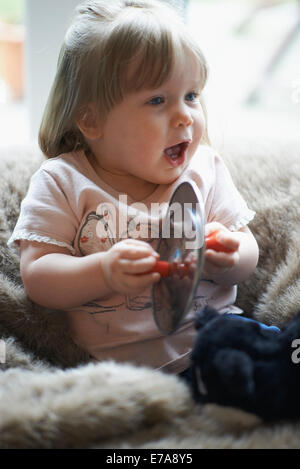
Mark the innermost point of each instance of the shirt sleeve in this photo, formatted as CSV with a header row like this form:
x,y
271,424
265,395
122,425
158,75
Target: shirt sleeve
x,y
227,206
45,214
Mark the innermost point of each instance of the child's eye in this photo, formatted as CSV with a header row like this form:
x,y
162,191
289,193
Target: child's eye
x,y
192,96
156,100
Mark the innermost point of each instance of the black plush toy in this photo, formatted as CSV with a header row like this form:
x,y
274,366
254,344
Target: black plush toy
x,y
240,363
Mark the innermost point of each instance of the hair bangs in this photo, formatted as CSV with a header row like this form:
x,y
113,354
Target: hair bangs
x,y
139,54
151,65
154,60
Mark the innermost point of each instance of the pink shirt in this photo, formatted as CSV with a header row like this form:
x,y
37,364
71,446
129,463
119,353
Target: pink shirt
x,y
68,205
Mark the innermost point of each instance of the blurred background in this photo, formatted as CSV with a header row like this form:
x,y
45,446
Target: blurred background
x,y
252,48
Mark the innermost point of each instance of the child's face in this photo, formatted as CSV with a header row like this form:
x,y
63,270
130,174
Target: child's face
x,y
153,134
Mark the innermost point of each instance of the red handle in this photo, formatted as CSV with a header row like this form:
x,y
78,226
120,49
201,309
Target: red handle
x,y
212,243
162,267
165,268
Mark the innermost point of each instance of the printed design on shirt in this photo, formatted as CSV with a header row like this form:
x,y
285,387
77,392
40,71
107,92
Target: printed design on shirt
x,y
90,240
94,307
208,297
98,233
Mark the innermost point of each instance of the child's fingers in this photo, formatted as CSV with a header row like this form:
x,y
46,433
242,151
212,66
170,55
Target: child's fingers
x,y
228,240
212,227
137,253
221,259
139,282
137,243
134,249
222,241
137,266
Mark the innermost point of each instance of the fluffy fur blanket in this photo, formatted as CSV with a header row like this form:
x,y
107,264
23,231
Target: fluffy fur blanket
x,y
51,397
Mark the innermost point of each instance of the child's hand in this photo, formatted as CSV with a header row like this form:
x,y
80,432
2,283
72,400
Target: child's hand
x,y
127,264
218,263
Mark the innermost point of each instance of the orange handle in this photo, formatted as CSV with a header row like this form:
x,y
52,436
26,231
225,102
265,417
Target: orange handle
x,y
165,268
212,243
162,267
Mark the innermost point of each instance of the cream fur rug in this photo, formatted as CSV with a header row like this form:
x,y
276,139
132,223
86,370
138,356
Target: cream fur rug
x,y
50,397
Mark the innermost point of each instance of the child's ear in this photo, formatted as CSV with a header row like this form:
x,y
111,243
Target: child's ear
x,y
89,123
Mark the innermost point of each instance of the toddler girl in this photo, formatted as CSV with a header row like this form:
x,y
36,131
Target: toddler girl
x,y
125,117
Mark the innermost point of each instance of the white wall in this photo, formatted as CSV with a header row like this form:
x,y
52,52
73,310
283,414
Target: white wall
x,y
46,23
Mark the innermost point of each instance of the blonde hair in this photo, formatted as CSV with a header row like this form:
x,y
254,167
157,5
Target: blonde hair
x,y
105,38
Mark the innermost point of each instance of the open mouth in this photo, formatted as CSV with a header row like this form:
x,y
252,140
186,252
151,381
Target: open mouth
x,y
176,154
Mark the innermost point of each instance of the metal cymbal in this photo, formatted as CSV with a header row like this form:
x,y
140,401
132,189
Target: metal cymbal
x,y
181,247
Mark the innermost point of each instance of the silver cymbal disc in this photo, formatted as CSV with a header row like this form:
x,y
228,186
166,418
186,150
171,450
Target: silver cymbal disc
x,y
182,245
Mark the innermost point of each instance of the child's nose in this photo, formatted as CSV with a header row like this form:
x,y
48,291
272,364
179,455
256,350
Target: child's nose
x,y
181,118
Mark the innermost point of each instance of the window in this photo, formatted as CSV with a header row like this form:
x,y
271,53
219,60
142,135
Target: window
x,y
252,48
12,74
